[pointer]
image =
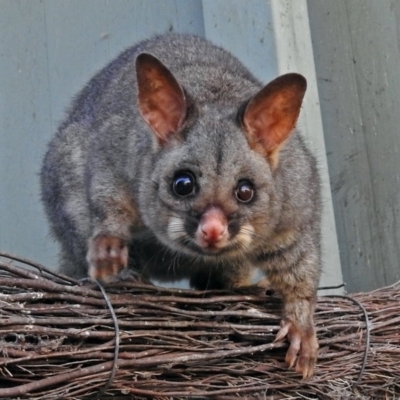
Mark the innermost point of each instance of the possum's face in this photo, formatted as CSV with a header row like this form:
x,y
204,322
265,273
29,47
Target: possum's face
x,y
212,192
211,195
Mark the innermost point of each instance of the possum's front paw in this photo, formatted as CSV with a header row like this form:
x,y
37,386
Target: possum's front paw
x,y
107,256
303,349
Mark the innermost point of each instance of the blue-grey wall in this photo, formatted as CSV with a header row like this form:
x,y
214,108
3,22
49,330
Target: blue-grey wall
x,y
50,48
357,57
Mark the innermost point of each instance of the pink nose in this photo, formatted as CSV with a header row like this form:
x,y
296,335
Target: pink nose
x,y
212,232
213,226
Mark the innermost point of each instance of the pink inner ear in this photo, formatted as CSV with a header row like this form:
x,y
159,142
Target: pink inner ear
x,y
271,115
269,123
163,114
161,99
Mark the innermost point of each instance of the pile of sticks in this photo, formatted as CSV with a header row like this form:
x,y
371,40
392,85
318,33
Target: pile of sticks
x,y
60,338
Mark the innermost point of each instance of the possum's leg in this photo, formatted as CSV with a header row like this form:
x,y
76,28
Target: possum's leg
x,y
114,216
298,326
297,283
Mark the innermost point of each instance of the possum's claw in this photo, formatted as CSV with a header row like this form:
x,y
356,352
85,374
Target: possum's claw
x,y
107,256
303,349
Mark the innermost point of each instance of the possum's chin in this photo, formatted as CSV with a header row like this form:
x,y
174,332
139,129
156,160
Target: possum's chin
x,y
210,253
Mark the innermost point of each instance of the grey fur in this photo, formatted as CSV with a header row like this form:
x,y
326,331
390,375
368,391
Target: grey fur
x,y
105,151
104,143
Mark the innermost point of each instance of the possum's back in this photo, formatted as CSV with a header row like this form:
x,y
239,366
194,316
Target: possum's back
x,y
113,90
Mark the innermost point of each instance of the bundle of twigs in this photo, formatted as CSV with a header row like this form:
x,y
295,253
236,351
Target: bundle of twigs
x,y
60,339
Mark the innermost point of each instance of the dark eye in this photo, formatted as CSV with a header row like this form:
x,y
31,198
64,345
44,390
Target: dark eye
x,y
183,184
244,191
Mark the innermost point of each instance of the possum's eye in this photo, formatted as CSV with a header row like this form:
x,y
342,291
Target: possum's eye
x,y
244,191
183,184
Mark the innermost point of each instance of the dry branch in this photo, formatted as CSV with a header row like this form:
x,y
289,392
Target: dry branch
x,y
58,340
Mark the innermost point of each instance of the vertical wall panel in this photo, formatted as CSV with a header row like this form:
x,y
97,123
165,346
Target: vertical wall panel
x,y
49,49
356,48
374,30
24,114
295,54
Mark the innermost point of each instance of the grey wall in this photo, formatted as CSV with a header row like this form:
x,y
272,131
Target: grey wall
x,y
50,48
357,57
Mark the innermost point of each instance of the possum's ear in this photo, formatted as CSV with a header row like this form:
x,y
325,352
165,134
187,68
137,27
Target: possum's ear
x,y
162,102
271,115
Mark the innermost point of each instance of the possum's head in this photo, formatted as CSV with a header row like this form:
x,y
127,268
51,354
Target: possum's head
x,y
212,192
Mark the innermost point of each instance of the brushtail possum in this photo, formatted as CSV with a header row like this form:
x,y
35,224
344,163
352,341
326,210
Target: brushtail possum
x,y
175,161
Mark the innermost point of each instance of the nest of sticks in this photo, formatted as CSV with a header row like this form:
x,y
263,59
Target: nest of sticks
x,y
63,339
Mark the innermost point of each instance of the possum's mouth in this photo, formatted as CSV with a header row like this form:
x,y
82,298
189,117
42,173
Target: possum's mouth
x,y
209,251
